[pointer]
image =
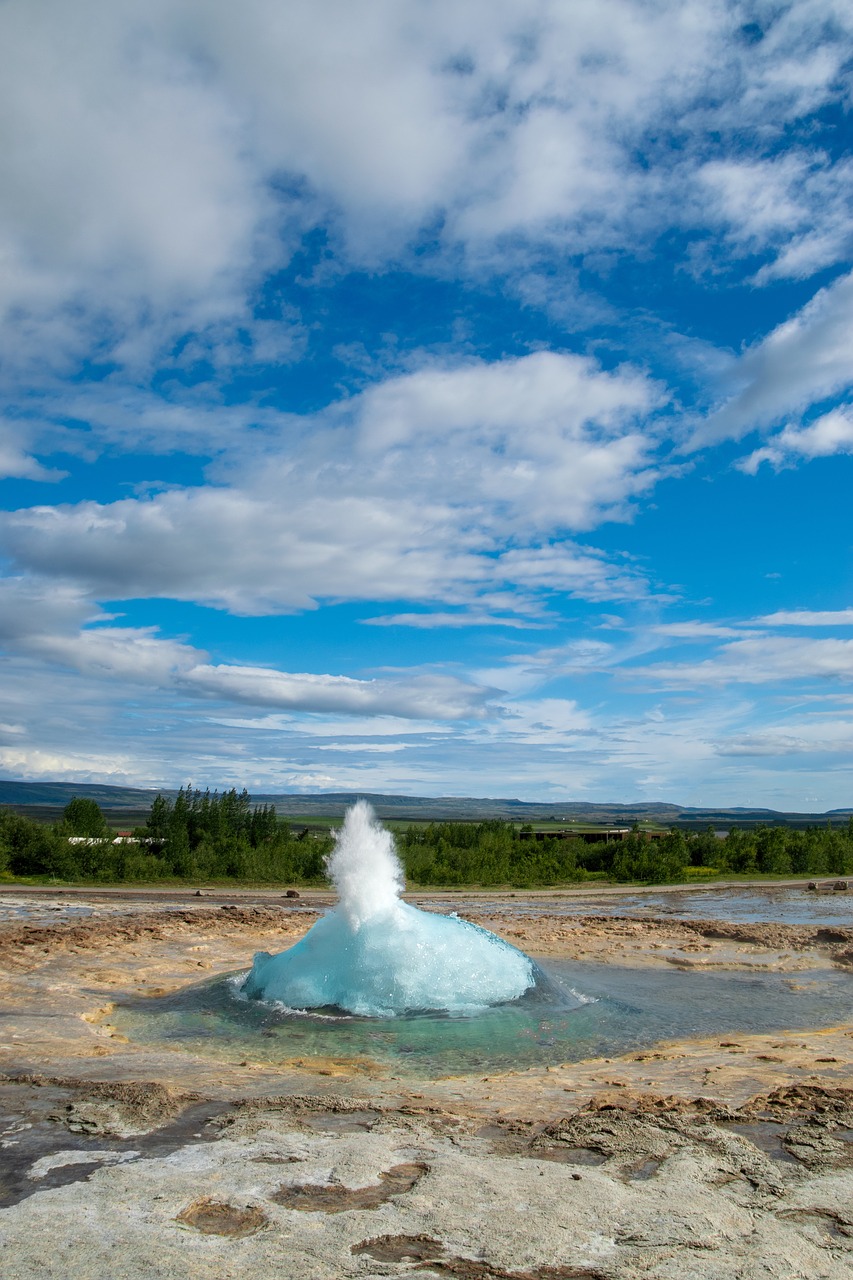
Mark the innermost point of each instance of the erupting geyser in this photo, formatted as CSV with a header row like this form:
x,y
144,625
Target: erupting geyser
x,y
377,956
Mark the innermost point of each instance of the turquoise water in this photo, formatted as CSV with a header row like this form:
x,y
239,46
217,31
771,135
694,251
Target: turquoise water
x,y
581,1011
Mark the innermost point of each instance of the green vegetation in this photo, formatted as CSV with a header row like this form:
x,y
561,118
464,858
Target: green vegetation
x,y
486,853
196,836
83,817
199,836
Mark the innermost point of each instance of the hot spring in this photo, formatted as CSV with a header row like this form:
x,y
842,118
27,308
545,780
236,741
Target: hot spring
x,y
377,981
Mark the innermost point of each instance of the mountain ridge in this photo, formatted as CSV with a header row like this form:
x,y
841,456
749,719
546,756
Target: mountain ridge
x,y
136,801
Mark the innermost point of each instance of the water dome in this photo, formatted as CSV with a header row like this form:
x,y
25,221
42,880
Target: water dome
x,y
375,955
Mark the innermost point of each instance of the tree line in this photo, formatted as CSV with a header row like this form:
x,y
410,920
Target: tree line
x,y
200,835
196,836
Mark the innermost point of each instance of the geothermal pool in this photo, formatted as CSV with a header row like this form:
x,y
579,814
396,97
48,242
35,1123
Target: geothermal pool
x,y
588,1010
377,984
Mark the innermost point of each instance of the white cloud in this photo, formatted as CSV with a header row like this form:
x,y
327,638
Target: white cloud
x,y
31,607
808,618
161,154
127,178
409,695
763,660
192,721
799,735
46,632
433,621
553,721
134,654
15,461
71,765
440,484
795,206
802,361
695,630
120,415
828,435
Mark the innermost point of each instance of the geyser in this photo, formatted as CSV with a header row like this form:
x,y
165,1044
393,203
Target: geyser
x,y
375,955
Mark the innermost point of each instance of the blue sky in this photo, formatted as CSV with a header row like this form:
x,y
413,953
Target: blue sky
x,y
429,398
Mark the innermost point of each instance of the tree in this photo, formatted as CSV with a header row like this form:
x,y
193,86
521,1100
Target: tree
x,y
771,851
177,847
84,818
157,826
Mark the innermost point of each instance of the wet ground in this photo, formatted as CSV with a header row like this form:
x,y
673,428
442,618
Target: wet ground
x,y
694,1118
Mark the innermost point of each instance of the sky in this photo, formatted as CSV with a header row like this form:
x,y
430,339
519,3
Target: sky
x,y
429,398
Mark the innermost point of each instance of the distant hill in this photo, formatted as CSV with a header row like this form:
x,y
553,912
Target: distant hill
x,y
59,793
130,805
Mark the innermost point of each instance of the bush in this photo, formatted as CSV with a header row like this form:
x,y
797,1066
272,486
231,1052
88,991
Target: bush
x,y
31,849
651,861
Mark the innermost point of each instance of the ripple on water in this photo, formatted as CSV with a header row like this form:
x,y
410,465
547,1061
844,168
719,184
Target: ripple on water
x,y
587,1011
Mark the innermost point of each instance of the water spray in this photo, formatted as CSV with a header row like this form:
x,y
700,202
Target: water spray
x,y
376,955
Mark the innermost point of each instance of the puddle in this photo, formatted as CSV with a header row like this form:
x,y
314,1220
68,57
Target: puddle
x,y
342,1121
31,1142
569,1155
336,1199
827,1221
218,1218
433,1255
643,1170
795,905
402,1249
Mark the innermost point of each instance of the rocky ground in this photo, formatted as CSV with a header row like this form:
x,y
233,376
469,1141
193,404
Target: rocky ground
x,y
718,1158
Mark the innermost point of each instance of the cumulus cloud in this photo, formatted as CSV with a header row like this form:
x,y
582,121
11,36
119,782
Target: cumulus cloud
x,y
794,206
50,630
830,434
15,459
192,143
438,484
410,695
127,178
71,765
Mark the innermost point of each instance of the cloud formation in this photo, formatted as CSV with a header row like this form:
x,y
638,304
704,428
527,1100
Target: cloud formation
x,y
759,660
408,315
808,618
801,362
416,489
412,696
830,434
192,143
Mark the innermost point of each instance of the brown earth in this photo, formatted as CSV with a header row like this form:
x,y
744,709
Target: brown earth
x,y
714,1159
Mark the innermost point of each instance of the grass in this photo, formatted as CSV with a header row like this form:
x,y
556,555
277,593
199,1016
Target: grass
x,y
593,880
